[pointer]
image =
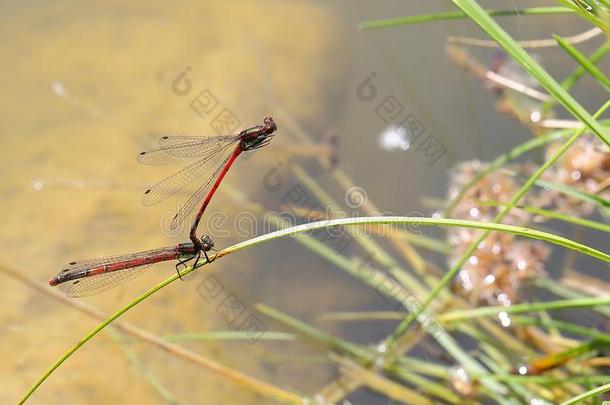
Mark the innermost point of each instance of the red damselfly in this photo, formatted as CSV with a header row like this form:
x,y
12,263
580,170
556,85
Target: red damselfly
x,y
213,158
89,277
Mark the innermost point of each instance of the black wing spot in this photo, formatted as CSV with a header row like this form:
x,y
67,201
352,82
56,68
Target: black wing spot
x,y
72,264
147,191
142,153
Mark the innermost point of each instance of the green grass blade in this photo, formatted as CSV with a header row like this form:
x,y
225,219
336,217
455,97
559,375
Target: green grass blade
x,y
585,395
422,221
135,361
579,72
584,62
480,17
599,226
521,308
339,345
576,193
227,335
456,15
562,291
571,191
566,326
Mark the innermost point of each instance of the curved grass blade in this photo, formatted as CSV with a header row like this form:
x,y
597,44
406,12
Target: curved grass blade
x,y
527,307
585,395
599,226
456,15
295,230
566,326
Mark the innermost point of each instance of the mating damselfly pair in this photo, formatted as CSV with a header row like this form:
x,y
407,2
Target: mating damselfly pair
x,y
209,159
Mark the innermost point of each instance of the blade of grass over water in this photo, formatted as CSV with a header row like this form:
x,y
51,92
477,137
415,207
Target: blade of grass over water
x,y
375,381
137,364
576,193
579,72
422,221
456,15
339,345
481,18
562,291
550,380
584,62
455,351
521,308
227,335
566,326
360,316
473,246
589,394
599,226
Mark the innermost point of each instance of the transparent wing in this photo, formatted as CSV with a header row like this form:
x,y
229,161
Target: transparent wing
x,y
188,146
177,149
91,285
196,199
175,183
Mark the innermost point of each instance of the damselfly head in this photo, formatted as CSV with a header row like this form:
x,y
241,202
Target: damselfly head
x,y
207,243
270,125
258,136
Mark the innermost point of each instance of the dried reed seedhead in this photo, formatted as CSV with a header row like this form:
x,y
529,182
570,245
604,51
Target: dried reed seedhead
x,y
495,187
586,167
500,266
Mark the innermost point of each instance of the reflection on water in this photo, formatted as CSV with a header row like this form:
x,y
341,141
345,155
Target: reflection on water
x,y
394,138
84,88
